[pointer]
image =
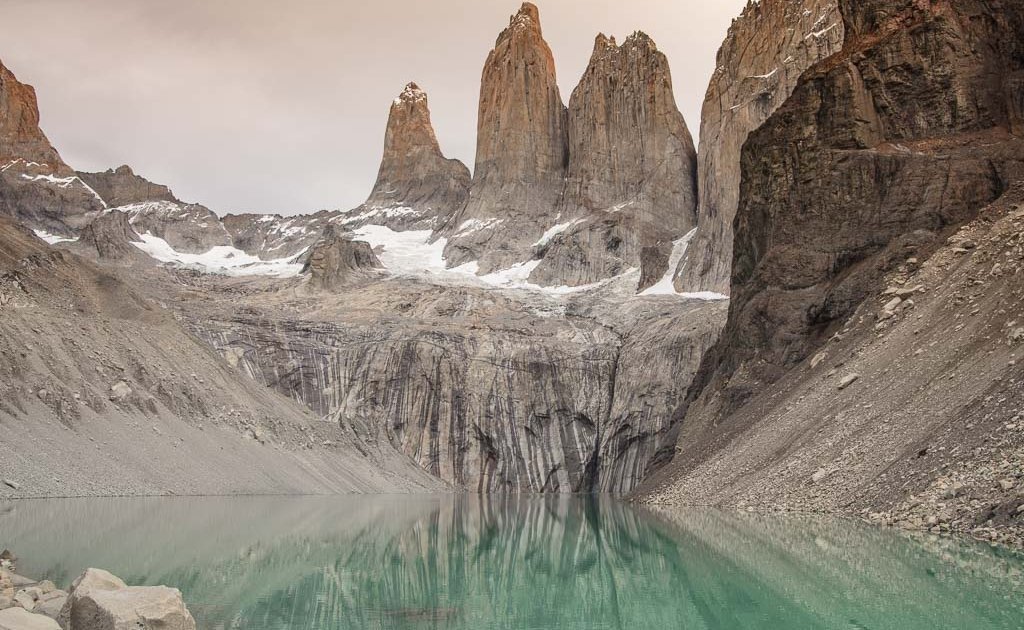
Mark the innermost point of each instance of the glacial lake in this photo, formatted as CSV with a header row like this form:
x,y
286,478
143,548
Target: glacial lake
x,y
510,563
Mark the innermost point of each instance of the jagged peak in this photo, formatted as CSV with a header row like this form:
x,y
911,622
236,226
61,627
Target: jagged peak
x,y
411,94
604,42
124,169
528,17
640,38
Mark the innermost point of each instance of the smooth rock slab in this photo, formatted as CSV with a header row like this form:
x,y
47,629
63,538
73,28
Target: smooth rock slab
x,y
21,619
100,601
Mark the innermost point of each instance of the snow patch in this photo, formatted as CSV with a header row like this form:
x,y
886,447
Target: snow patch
x,y
222,260
475,225
666,286
63,182
53,239
555,231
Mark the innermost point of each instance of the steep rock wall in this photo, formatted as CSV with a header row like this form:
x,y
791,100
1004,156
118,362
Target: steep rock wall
x,y
767,49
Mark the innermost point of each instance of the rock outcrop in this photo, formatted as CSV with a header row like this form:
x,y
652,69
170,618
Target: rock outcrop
x,y
99,600
521,155
111,234
417,187
882,152
272,236
767,49
122,187
632,167
336,259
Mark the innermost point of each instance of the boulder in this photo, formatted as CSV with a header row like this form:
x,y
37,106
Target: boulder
x,y
21,619
99,600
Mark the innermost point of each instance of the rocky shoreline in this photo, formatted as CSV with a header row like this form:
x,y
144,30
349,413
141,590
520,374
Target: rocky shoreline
x,y
96,600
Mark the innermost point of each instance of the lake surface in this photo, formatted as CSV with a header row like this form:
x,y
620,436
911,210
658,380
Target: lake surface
x,y
400,562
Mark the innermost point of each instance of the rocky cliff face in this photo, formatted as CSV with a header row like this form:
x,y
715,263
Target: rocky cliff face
x,y
36,186
767,49
522,151
20,135
417,187
632,167
882,152
122,187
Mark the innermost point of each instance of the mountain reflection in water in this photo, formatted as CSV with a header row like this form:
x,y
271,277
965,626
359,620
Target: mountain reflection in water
x,y
271,563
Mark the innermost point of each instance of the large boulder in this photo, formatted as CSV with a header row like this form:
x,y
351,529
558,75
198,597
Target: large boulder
x,y
101,601
21,619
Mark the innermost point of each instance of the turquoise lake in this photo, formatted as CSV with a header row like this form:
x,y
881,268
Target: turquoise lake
x,y
510,563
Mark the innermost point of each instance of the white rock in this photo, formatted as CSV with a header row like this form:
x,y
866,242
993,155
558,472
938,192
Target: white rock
x,y
119,391
21,619
100,601
849,380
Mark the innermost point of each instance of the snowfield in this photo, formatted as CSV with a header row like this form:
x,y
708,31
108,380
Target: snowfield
x,y
223,260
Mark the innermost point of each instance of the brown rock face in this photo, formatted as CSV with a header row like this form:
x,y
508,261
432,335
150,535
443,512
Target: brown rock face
x,y
335,260
767,49
112,235
417,187
522,151
632,166
122,187
880,153
36,187
20,135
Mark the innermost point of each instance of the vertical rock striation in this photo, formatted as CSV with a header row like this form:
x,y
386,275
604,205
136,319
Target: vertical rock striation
x,y
521,155
767,49
417,187
632,167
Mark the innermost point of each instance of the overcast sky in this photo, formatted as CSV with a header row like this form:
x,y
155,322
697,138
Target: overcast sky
x,y
280,106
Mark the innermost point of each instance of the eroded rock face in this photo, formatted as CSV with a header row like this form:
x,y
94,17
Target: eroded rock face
x,y
475,387
417,187
112,235
122,187
632,166
522,151
880,153
767,49
337,259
